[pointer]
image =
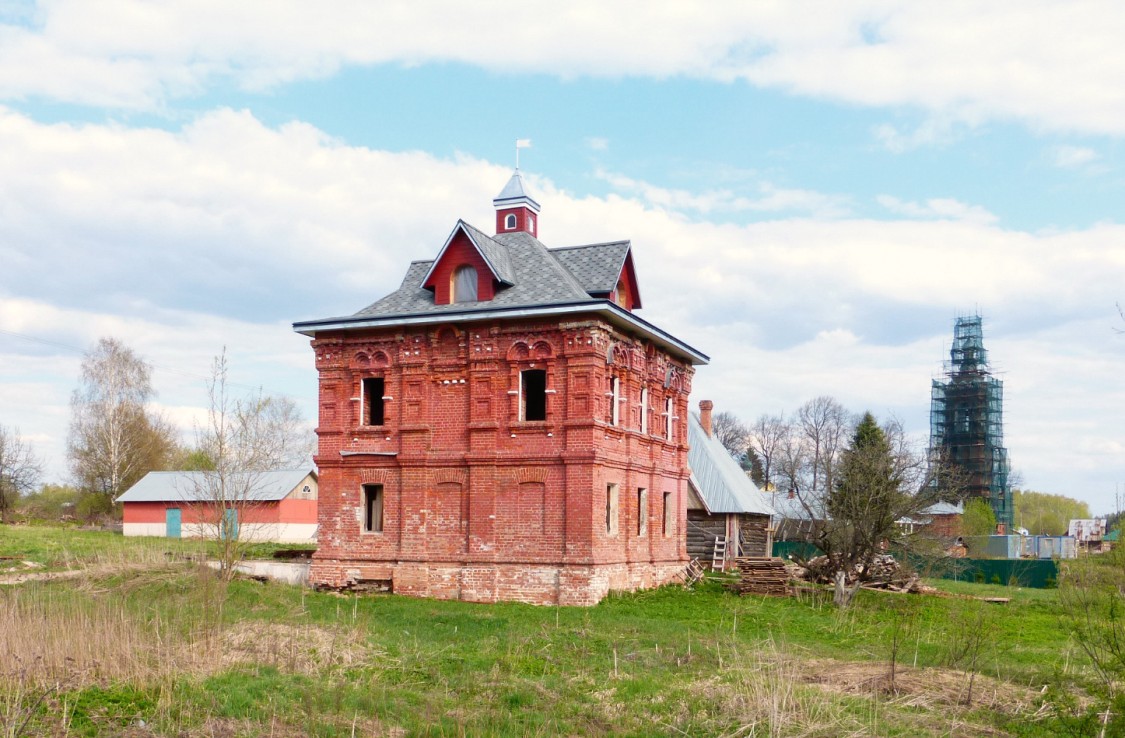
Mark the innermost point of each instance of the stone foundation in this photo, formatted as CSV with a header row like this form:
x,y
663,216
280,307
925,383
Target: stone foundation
x,y
530,583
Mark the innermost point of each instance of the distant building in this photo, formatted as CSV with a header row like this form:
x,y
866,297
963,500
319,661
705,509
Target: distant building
x,y
503,426
967,420
281,507
726,511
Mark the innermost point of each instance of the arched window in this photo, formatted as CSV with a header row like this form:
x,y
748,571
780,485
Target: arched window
x,y
509,221
464,284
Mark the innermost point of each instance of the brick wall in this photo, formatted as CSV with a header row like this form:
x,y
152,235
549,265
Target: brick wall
x,y
479,504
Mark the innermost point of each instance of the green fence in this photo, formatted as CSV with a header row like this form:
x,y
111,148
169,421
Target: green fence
x,y
1040,573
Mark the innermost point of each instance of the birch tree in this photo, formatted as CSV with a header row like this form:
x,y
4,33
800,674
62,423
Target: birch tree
x,y
114,438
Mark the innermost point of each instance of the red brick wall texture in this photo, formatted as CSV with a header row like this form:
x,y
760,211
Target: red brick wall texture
x,y
480,505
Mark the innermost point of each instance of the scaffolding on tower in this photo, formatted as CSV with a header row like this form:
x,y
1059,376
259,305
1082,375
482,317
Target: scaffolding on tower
x,y
967,420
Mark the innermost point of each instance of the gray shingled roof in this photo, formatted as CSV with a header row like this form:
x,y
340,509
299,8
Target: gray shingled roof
x,y
596,266
170,486
538,277
539,281
495,254
721,483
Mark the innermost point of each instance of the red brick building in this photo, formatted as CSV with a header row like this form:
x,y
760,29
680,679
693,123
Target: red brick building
x,y
503,426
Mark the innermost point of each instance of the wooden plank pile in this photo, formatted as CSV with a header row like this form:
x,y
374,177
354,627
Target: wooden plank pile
x,y
763,576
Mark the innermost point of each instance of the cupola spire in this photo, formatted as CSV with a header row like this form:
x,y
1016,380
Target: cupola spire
x,y
515,209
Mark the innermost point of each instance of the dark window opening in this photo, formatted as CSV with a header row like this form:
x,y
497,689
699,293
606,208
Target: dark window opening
x,y
373,389
534,391
373,508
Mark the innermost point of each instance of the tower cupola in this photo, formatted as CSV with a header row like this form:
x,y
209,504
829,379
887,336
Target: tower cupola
x,y
515,209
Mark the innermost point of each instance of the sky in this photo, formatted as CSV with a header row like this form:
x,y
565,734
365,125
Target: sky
x,y
814,191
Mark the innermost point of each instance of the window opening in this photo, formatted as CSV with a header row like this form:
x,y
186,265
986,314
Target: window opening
x,y
611,507
509,221
668,524
464,284
373,508
614,415
533,394
644,410
668,418
642,511
373,390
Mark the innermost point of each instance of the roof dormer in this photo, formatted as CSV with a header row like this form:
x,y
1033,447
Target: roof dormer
x,y
470,267
516,210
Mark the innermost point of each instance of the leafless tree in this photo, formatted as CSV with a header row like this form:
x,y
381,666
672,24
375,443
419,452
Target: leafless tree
x,y
244,438
731,432
766,435
825,424
19,470
114,438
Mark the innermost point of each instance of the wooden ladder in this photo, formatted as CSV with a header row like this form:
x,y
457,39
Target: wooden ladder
x,y
719,558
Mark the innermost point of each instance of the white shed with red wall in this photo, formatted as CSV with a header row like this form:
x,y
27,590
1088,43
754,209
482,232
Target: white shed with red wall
x,y
280,506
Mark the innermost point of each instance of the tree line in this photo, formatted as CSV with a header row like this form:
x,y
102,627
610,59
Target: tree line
x,y
116,436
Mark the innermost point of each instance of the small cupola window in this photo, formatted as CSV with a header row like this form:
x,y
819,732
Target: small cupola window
x,y
509,221
463,284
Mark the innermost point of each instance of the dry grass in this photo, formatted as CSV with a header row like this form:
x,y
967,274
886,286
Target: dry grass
x,y
779,694
88,637
301,649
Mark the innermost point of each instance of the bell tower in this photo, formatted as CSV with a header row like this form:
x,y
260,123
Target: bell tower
x,y
515,209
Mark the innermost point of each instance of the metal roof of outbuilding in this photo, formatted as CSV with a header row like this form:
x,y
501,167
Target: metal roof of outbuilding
x,y
720,482
184,486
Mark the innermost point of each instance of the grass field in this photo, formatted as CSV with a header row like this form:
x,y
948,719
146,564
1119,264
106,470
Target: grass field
x,y
151,645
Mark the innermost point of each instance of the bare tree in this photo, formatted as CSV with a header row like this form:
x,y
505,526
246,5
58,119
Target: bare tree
x,y
825,424
19,470
766,435
114,438
731,432
792,458
244,438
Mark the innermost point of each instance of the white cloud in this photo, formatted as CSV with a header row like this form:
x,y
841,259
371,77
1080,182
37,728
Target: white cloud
x,y
1054,64
243,228
1073,157
945,208
765,199
597,143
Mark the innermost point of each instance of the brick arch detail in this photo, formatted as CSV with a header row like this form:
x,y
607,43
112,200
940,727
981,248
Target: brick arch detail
x,y
374,476
532,474
449,476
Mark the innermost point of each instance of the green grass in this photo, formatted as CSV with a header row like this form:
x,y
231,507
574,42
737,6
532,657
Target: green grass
x,y
63,548
265,659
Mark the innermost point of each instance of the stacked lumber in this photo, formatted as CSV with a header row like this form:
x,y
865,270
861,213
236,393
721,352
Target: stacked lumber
x,y
763,576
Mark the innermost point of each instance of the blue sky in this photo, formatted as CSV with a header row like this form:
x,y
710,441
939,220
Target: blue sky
x,y
813,192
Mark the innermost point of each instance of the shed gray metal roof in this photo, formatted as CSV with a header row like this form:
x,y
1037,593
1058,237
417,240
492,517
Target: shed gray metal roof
x,y
719,481
184,486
